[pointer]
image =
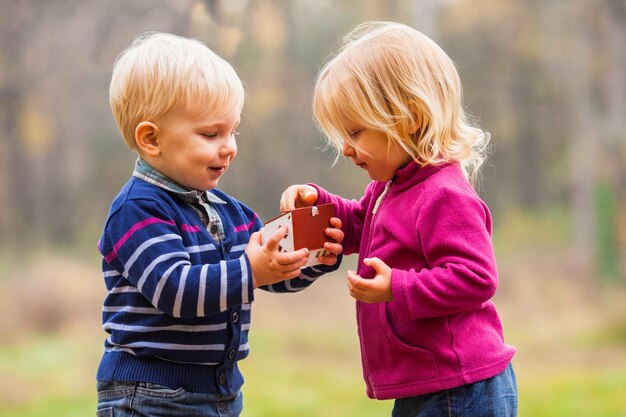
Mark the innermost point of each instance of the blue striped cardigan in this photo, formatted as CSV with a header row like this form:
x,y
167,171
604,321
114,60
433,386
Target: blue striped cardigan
x,y
178,304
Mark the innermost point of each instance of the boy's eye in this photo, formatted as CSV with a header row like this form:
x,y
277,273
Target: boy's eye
x,y
210,134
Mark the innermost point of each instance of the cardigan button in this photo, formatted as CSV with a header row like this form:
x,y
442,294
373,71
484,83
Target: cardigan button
x,y
235,317
231,354
221,379
214,229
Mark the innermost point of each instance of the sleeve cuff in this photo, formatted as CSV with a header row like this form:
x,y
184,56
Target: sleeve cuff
x,y
399,292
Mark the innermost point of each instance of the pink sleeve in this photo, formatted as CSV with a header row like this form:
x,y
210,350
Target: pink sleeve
x,y
351,213
454,230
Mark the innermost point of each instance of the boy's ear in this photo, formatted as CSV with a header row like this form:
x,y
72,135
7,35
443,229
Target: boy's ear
x,y
147,138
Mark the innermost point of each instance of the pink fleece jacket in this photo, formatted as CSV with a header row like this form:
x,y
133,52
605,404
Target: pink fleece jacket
x,y
441,330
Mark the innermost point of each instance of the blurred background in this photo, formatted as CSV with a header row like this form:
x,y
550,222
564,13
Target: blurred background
x,y
545,77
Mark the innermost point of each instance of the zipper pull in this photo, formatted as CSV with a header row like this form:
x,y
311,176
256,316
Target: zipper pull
x,y
380,198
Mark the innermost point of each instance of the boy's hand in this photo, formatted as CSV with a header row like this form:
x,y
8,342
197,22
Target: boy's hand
x,y
297,196
333,249
268,264
375,290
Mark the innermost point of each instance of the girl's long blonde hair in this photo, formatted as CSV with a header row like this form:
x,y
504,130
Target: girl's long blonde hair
x,y
392,78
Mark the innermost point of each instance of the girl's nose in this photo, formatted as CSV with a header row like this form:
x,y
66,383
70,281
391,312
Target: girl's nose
x,y
347,150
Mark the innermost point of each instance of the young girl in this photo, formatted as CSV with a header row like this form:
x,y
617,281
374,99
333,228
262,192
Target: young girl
x,y
430,336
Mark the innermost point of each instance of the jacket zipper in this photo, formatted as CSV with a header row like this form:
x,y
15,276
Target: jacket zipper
x,y
380,198
377,205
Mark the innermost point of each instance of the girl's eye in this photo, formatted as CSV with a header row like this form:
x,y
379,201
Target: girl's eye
x,y
234,133
354,134
210,135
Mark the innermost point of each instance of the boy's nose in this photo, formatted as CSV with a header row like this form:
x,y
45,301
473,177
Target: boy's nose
x,y
229,147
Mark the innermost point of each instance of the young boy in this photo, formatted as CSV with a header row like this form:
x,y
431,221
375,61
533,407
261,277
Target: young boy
x,y
181,258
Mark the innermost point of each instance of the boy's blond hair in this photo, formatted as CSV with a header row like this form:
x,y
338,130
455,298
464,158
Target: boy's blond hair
x,y
160,72
391,78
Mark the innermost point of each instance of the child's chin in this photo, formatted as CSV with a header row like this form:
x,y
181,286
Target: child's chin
x,y
202,186
211,185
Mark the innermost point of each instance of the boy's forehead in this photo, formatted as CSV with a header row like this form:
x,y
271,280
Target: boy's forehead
x,y
215,113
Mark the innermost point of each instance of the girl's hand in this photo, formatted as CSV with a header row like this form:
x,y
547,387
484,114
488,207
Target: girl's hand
x,y
268,264
297,196
332,249
375,290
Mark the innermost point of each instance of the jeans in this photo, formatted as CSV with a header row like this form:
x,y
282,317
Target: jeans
x,y
492,397
142,399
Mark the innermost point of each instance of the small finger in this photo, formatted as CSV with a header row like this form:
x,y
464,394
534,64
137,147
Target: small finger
x,y
328,259
335,234
300,263
357,282
289,258
287,200
336,222
307,195
292,273
334,248
354,293
371,261
273,241
353,278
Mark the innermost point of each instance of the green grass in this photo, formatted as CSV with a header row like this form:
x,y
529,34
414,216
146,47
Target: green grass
x,y
48,376
309,370
305,357
308,376
600,393
54,406
317,374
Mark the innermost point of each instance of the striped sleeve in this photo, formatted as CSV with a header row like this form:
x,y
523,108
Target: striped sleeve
x,y
307,277
252,222
145,246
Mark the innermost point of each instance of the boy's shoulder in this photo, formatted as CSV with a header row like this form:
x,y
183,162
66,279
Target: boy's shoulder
x,y
136,189
138,194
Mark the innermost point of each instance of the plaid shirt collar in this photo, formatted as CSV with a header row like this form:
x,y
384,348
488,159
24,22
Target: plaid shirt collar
x,y
144,171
